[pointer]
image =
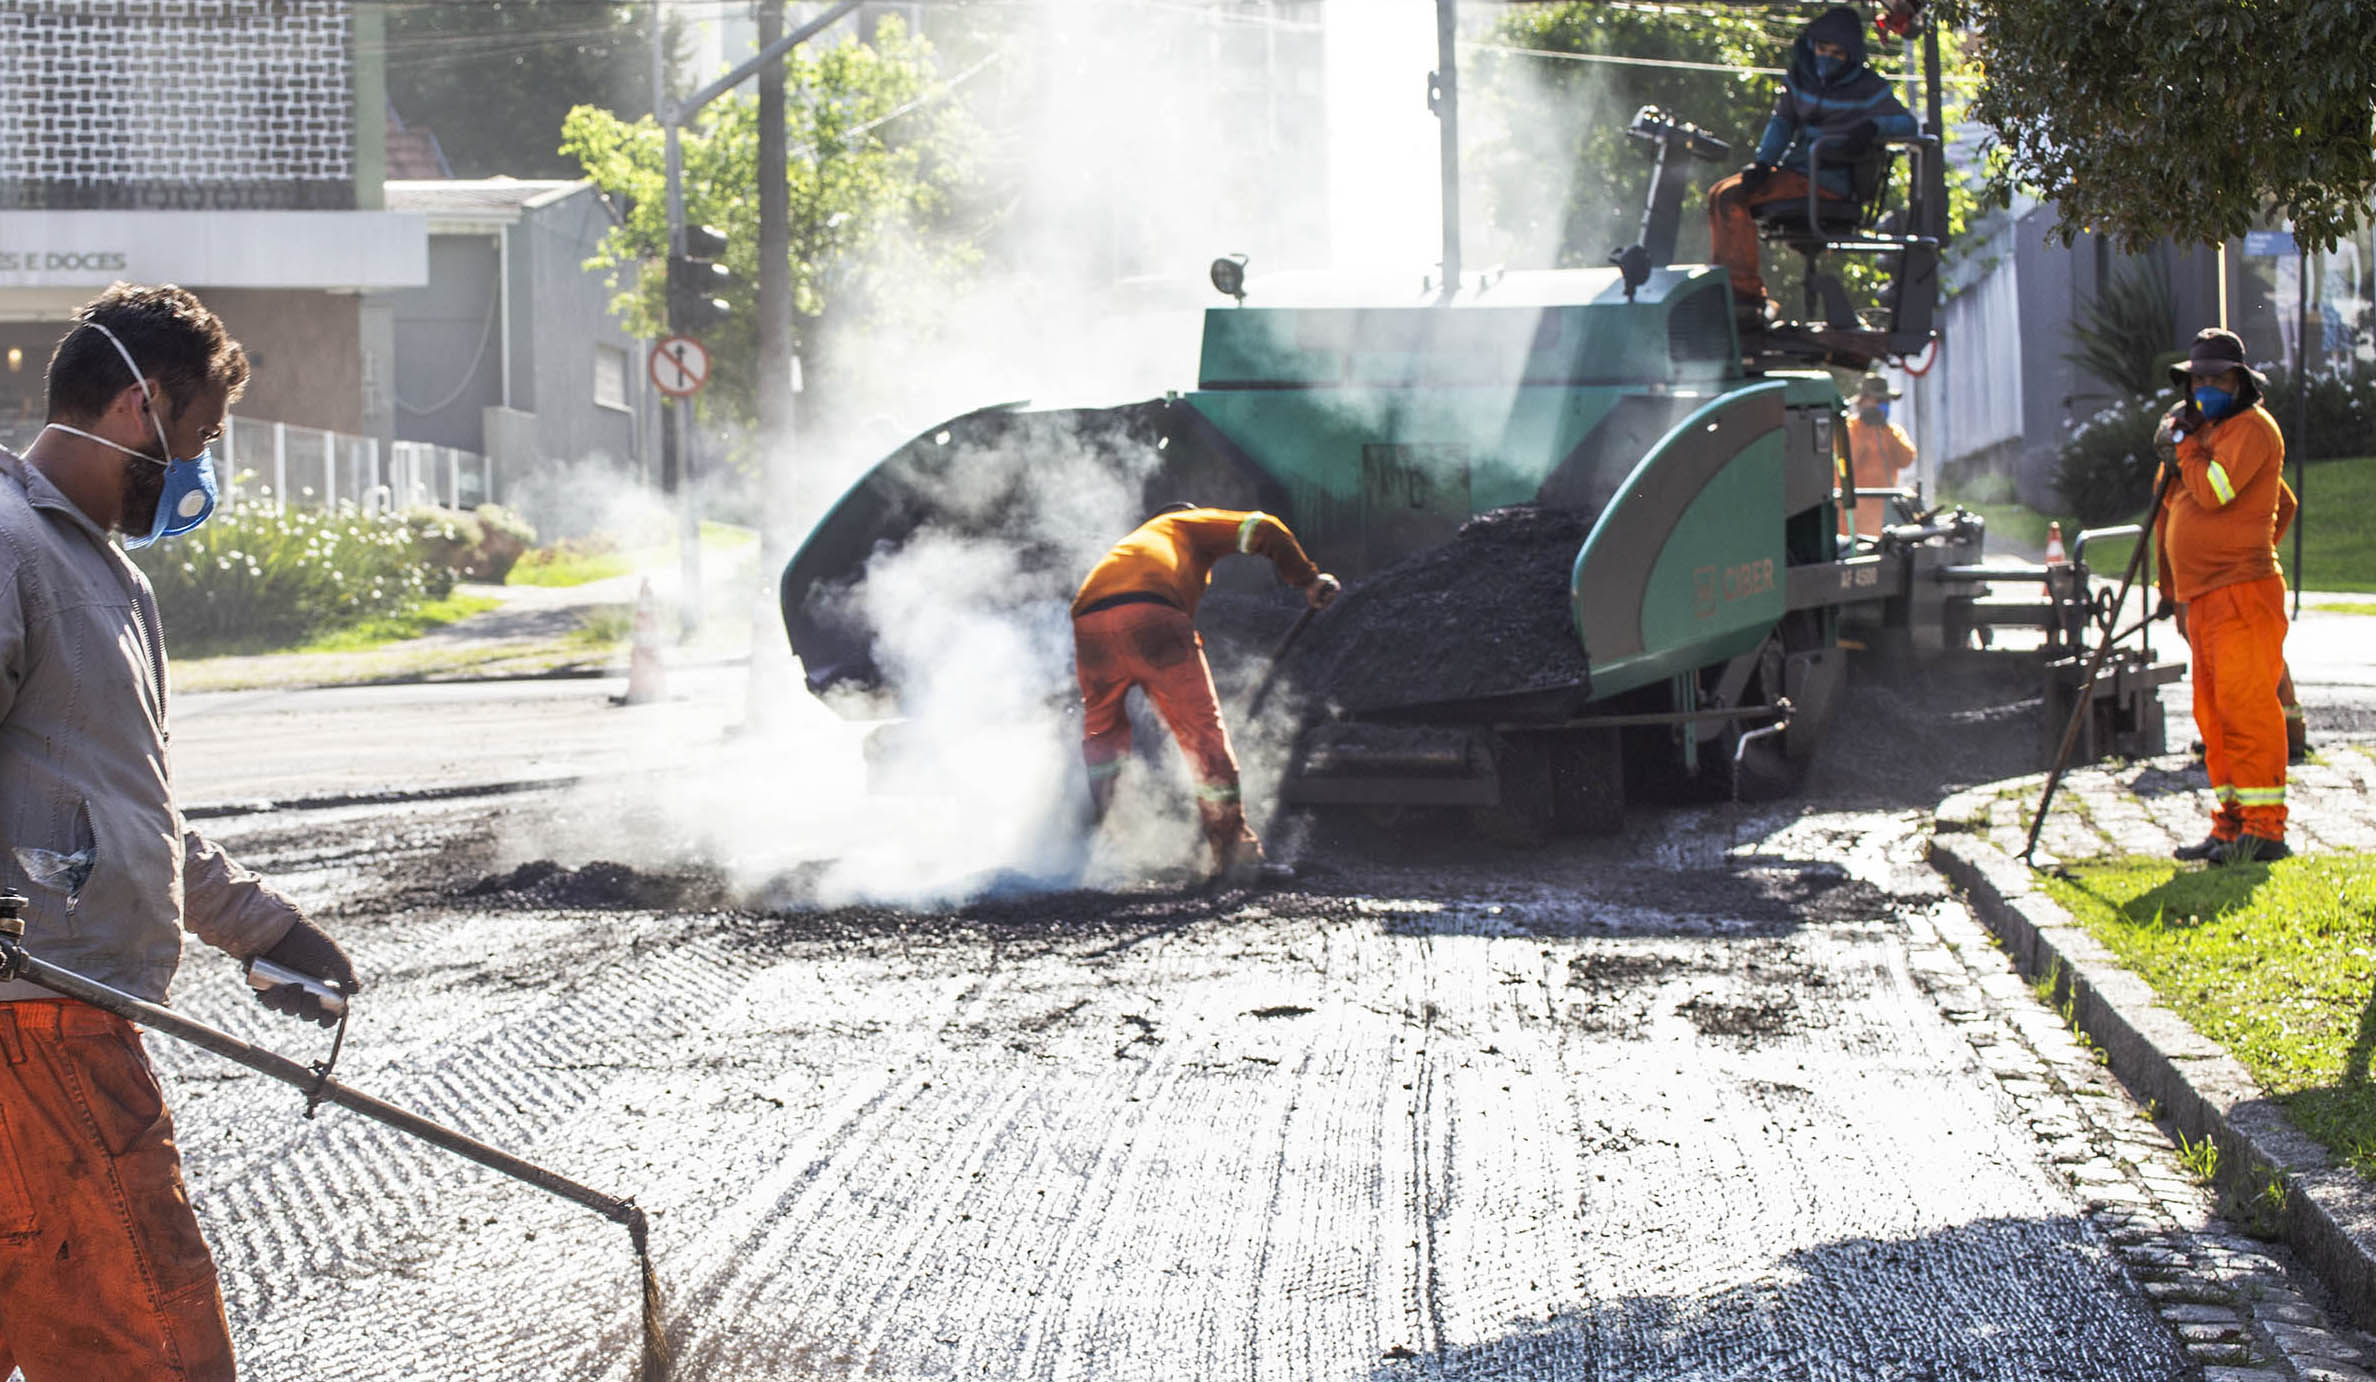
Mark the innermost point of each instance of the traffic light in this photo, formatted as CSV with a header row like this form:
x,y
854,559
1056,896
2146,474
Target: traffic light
x,y
697,283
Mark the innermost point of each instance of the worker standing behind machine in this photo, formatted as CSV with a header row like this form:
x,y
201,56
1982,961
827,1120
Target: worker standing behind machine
x,y
1879,452
2216,535
1134,624
1828,93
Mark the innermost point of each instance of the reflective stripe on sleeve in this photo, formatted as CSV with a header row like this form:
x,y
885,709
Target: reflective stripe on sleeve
x,y
1104,770
1246,531
2220,484
2224,793
1217,791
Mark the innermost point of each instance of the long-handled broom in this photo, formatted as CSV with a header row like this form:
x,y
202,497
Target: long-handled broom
x,y
17,963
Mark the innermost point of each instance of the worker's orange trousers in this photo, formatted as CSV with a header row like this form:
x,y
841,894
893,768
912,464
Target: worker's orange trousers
x,y
1156,648
103,1276
2237,633
1732,227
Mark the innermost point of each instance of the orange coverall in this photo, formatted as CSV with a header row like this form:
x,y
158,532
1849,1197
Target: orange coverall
x,y
82,1117
1878,451
2216,535
1133,625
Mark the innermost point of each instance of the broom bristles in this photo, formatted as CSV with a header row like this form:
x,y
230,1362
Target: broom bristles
x,y
655,1334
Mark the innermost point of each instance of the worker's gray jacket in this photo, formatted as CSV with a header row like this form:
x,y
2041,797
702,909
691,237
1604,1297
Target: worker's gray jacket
x,y
82,760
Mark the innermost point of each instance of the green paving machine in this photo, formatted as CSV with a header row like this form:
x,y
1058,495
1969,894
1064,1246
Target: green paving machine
x,y
1694,635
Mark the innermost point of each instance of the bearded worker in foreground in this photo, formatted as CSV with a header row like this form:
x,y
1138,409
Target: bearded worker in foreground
x,y
1134,625
103,1274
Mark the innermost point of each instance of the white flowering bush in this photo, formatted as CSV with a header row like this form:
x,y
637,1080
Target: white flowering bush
x,y
2104,468
254,576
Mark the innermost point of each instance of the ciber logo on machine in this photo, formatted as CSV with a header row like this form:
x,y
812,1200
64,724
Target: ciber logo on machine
x,y
61,261
1713,586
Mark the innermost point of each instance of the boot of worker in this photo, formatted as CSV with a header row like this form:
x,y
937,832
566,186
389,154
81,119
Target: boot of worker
x,y
2207,848
2249,848
1238,860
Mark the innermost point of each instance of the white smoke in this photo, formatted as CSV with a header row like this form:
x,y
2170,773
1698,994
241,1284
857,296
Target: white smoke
x,y
1154,136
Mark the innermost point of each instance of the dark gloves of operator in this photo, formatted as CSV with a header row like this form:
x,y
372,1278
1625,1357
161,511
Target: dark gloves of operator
x,y
1754,176
308,951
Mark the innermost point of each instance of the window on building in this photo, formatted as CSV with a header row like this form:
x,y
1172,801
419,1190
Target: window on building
x,y
610,377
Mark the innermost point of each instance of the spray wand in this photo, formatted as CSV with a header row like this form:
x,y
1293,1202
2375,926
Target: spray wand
x,y
16,963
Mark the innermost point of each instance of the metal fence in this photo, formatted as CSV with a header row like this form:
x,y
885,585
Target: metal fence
x,y
315,468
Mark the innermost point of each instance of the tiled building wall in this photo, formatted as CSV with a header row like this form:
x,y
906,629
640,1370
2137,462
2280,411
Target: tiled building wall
x,y
176,105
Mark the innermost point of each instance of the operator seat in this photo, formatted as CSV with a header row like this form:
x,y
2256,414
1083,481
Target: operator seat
x,y
1814,224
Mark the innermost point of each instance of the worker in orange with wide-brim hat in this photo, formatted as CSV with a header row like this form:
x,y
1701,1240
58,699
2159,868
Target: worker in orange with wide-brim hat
x,y
2218,557
1879,451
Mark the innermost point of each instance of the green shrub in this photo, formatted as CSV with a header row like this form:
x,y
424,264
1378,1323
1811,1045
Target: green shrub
x,y
2342,414
504,536
2104,471
443,537
256,578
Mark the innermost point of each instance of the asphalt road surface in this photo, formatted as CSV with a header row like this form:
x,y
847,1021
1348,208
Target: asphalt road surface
x,y
1678,1105
1739,1094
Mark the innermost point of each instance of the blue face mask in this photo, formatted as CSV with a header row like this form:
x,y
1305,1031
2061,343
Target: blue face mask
x,y
188,498
2215,403
1879,408
1828,67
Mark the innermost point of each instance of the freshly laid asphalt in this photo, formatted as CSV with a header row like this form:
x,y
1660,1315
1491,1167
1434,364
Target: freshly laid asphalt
x,y
1744,1092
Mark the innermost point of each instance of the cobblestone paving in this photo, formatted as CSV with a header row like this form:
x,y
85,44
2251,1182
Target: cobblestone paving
x,y
2153,805
1741,1095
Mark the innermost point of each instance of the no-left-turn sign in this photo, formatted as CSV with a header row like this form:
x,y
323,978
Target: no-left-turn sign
x,y
680,366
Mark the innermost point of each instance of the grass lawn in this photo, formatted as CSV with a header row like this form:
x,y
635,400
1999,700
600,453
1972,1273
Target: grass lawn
x,y
577,561
2277,963
2338,529
371,633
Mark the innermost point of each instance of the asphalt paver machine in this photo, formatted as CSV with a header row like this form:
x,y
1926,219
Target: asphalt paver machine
x,y
1678,607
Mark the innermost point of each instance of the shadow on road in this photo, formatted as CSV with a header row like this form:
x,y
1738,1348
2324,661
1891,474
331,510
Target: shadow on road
x,y
1998,1298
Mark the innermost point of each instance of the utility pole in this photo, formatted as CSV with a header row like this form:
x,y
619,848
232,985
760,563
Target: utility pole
x,y
771,658
1443,97
672,116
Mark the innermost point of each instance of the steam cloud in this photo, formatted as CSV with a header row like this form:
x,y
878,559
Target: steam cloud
x,y
1297,137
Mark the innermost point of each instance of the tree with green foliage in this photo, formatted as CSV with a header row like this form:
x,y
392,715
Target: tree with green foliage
x,y
1557,172
878,166
494,78
2142,119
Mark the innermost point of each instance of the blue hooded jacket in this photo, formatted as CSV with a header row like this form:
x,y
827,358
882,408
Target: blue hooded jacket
x,y
1809,105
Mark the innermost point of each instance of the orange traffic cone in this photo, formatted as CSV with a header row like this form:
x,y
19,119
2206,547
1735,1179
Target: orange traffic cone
x,y
647,677
2055,556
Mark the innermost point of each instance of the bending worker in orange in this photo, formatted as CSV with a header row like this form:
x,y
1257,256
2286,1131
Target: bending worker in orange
x,y
1134,625
2218,557
1879,451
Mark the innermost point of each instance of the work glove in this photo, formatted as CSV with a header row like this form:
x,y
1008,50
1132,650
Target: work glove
x,y
1857,140
1754,176
1322,590
2166,434
2166,608
308,951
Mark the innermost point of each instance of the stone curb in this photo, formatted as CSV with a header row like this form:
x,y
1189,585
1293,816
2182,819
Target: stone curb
x,y
2328,1211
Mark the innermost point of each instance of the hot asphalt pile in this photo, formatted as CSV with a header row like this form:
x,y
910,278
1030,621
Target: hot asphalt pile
x,y
1485,614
